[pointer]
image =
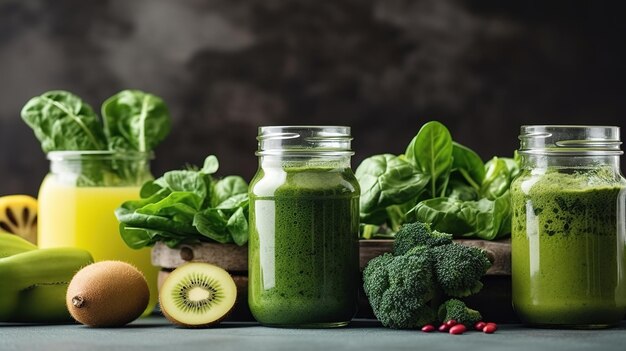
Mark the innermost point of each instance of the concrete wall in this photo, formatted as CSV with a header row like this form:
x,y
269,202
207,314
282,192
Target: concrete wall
x,y
383,67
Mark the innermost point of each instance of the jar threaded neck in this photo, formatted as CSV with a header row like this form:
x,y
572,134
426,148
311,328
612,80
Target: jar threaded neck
x,y
304,141
570,140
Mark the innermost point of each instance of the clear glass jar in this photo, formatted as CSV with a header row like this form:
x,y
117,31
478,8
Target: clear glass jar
x,y
569,228
304,227
77,200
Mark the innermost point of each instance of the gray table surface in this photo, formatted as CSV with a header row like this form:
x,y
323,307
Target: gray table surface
x,y
156,333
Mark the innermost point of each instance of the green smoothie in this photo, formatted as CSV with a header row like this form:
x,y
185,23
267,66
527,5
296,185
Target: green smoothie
x,y
303,249
568,260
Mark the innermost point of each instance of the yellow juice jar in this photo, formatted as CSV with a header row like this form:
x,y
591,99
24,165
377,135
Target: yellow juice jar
x,y
77,200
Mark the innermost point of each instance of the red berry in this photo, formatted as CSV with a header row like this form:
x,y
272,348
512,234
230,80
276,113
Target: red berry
x,y
428,328
479,325
443,328
450,323
490,328
458,329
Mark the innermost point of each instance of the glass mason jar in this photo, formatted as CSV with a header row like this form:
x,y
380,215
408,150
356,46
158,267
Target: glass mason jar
x,y
569,228
304,227
77,200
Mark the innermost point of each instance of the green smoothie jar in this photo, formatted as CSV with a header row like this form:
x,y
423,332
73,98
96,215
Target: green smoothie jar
x,y
304,227
569,228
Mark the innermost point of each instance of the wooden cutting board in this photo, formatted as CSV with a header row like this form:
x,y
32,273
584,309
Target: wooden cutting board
x,y
234,258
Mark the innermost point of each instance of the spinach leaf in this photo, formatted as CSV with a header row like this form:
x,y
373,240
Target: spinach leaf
x,y
396,217
514,166
187,206
469,164
213,224
431,152
146,199
234,202
148,221
238,226
186,181
149,188
227,188
368,231
388,180
497,179
462,195
485,219
211,164
134,120
462,191
377,217
62,121
137,238
180,206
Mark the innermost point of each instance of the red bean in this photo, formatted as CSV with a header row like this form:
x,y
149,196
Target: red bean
x,y
479,325
450,323
490,328
428,328
458,329
443,328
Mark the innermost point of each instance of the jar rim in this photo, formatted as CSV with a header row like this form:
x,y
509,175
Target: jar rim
x,y
304,141
69,155
570,140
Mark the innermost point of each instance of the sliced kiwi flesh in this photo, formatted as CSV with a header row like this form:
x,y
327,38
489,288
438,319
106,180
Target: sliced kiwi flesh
x,y
18,215
197,294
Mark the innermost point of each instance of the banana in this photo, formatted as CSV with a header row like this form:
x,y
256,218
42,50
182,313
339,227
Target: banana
x,y
31,269
43,266
8,305
11,244
42,304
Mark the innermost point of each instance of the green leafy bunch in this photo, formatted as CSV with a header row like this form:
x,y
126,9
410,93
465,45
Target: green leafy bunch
x,y
187,206
132,121
436,181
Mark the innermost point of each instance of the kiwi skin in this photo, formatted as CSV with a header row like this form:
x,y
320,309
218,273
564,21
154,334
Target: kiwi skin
x,y
180,323
107,294
195,326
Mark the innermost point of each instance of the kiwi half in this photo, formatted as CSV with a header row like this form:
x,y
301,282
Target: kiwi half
x,y
197,295
18,215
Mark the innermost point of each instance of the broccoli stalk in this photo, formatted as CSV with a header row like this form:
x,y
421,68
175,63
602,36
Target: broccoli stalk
x,y
405,288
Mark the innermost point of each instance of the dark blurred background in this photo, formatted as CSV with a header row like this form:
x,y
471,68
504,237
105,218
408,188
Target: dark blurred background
x,y
384,67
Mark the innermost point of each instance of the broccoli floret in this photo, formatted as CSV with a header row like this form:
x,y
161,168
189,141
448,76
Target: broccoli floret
x,y
400,289
458,268
418,234
457,310
404,288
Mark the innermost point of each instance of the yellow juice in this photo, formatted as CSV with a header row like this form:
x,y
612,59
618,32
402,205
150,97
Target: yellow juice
x,y
84,217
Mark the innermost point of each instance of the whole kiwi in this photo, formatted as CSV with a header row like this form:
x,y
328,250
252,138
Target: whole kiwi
x,y
107,294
